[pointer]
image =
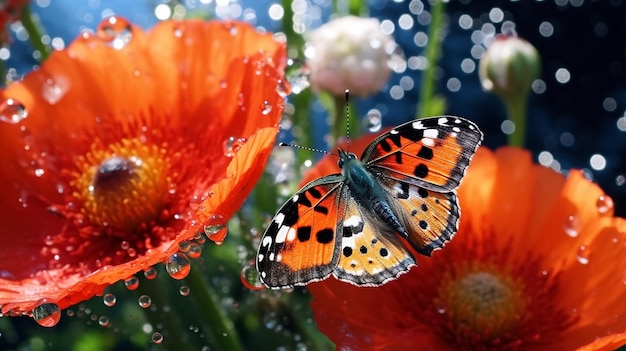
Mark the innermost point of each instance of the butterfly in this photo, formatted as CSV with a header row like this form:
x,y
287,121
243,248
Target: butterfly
x,y
358,225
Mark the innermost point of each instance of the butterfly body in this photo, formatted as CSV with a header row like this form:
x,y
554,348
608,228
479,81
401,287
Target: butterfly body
x,y
362,225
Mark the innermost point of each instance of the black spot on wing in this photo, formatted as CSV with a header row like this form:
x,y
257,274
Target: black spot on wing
x,y
304,200
347,251
426,153
315,193
423,193
421,171
304,233
324,236
385,145
321,209
398,158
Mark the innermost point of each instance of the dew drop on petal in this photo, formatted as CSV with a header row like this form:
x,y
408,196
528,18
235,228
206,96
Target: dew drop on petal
x,y
109,299
184,246
216,224
266,108
374,120
47,314
12,111
144,301
157,338
250,276
604,204
184,290
150,273
131,283
298,75
582,255
195,251
104,321
178,266
572,226
115,31
232,145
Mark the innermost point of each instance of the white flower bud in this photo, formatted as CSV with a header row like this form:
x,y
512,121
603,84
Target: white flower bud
x,y
350,53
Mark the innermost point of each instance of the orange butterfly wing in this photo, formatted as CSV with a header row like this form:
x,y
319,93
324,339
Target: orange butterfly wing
x,y
371,255
432,153
430,218
301,244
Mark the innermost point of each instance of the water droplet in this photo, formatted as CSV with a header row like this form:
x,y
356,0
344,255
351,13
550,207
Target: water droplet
x,y
572,226
396,61
441,308
250,276
184,290
195,251
144,301
157,337
109,299
374,120
53,90
184,245
605,204
12,111
47,314
266,108
104,321
178,266
115,31
131,283
216,224
583,255
124,245
150,273
232,145
298,75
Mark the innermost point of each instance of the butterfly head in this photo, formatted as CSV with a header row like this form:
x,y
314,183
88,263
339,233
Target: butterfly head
x,y
345,157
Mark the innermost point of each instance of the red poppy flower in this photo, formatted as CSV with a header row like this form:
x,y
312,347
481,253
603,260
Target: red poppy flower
x,y
537,264
10,11
124,145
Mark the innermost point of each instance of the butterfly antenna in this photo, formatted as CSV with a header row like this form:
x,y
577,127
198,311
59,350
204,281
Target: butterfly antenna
x,y
306,148
348,119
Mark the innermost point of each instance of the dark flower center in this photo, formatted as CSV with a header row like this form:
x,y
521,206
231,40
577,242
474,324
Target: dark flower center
x,y
483,302
125,186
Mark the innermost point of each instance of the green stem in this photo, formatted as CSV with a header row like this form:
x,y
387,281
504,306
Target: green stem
x,y
35,33
516,110
219,325
426,100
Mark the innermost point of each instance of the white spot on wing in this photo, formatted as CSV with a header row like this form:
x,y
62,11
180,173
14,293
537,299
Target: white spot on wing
x,y
442,121
263,274
352,221
279,258
282,234
261,257
418,125
456,129
431,133
266,241
295,198
428,142
291,234
271,257
393,131
279,218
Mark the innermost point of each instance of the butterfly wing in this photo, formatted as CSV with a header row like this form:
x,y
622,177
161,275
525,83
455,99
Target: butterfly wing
x,y
371,254
301,244
431,218
431,153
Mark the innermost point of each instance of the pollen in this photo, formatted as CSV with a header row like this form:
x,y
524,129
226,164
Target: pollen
x,y
483,302
123,185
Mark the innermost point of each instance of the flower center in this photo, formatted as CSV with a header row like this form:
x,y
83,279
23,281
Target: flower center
x,y
482,302
123,186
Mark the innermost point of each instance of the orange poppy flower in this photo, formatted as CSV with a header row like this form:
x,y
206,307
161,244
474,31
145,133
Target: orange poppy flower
x,y
126,144
537,264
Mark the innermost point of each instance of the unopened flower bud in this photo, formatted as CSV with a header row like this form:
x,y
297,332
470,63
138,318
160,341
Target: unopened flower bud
x,y
509,67
351,53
